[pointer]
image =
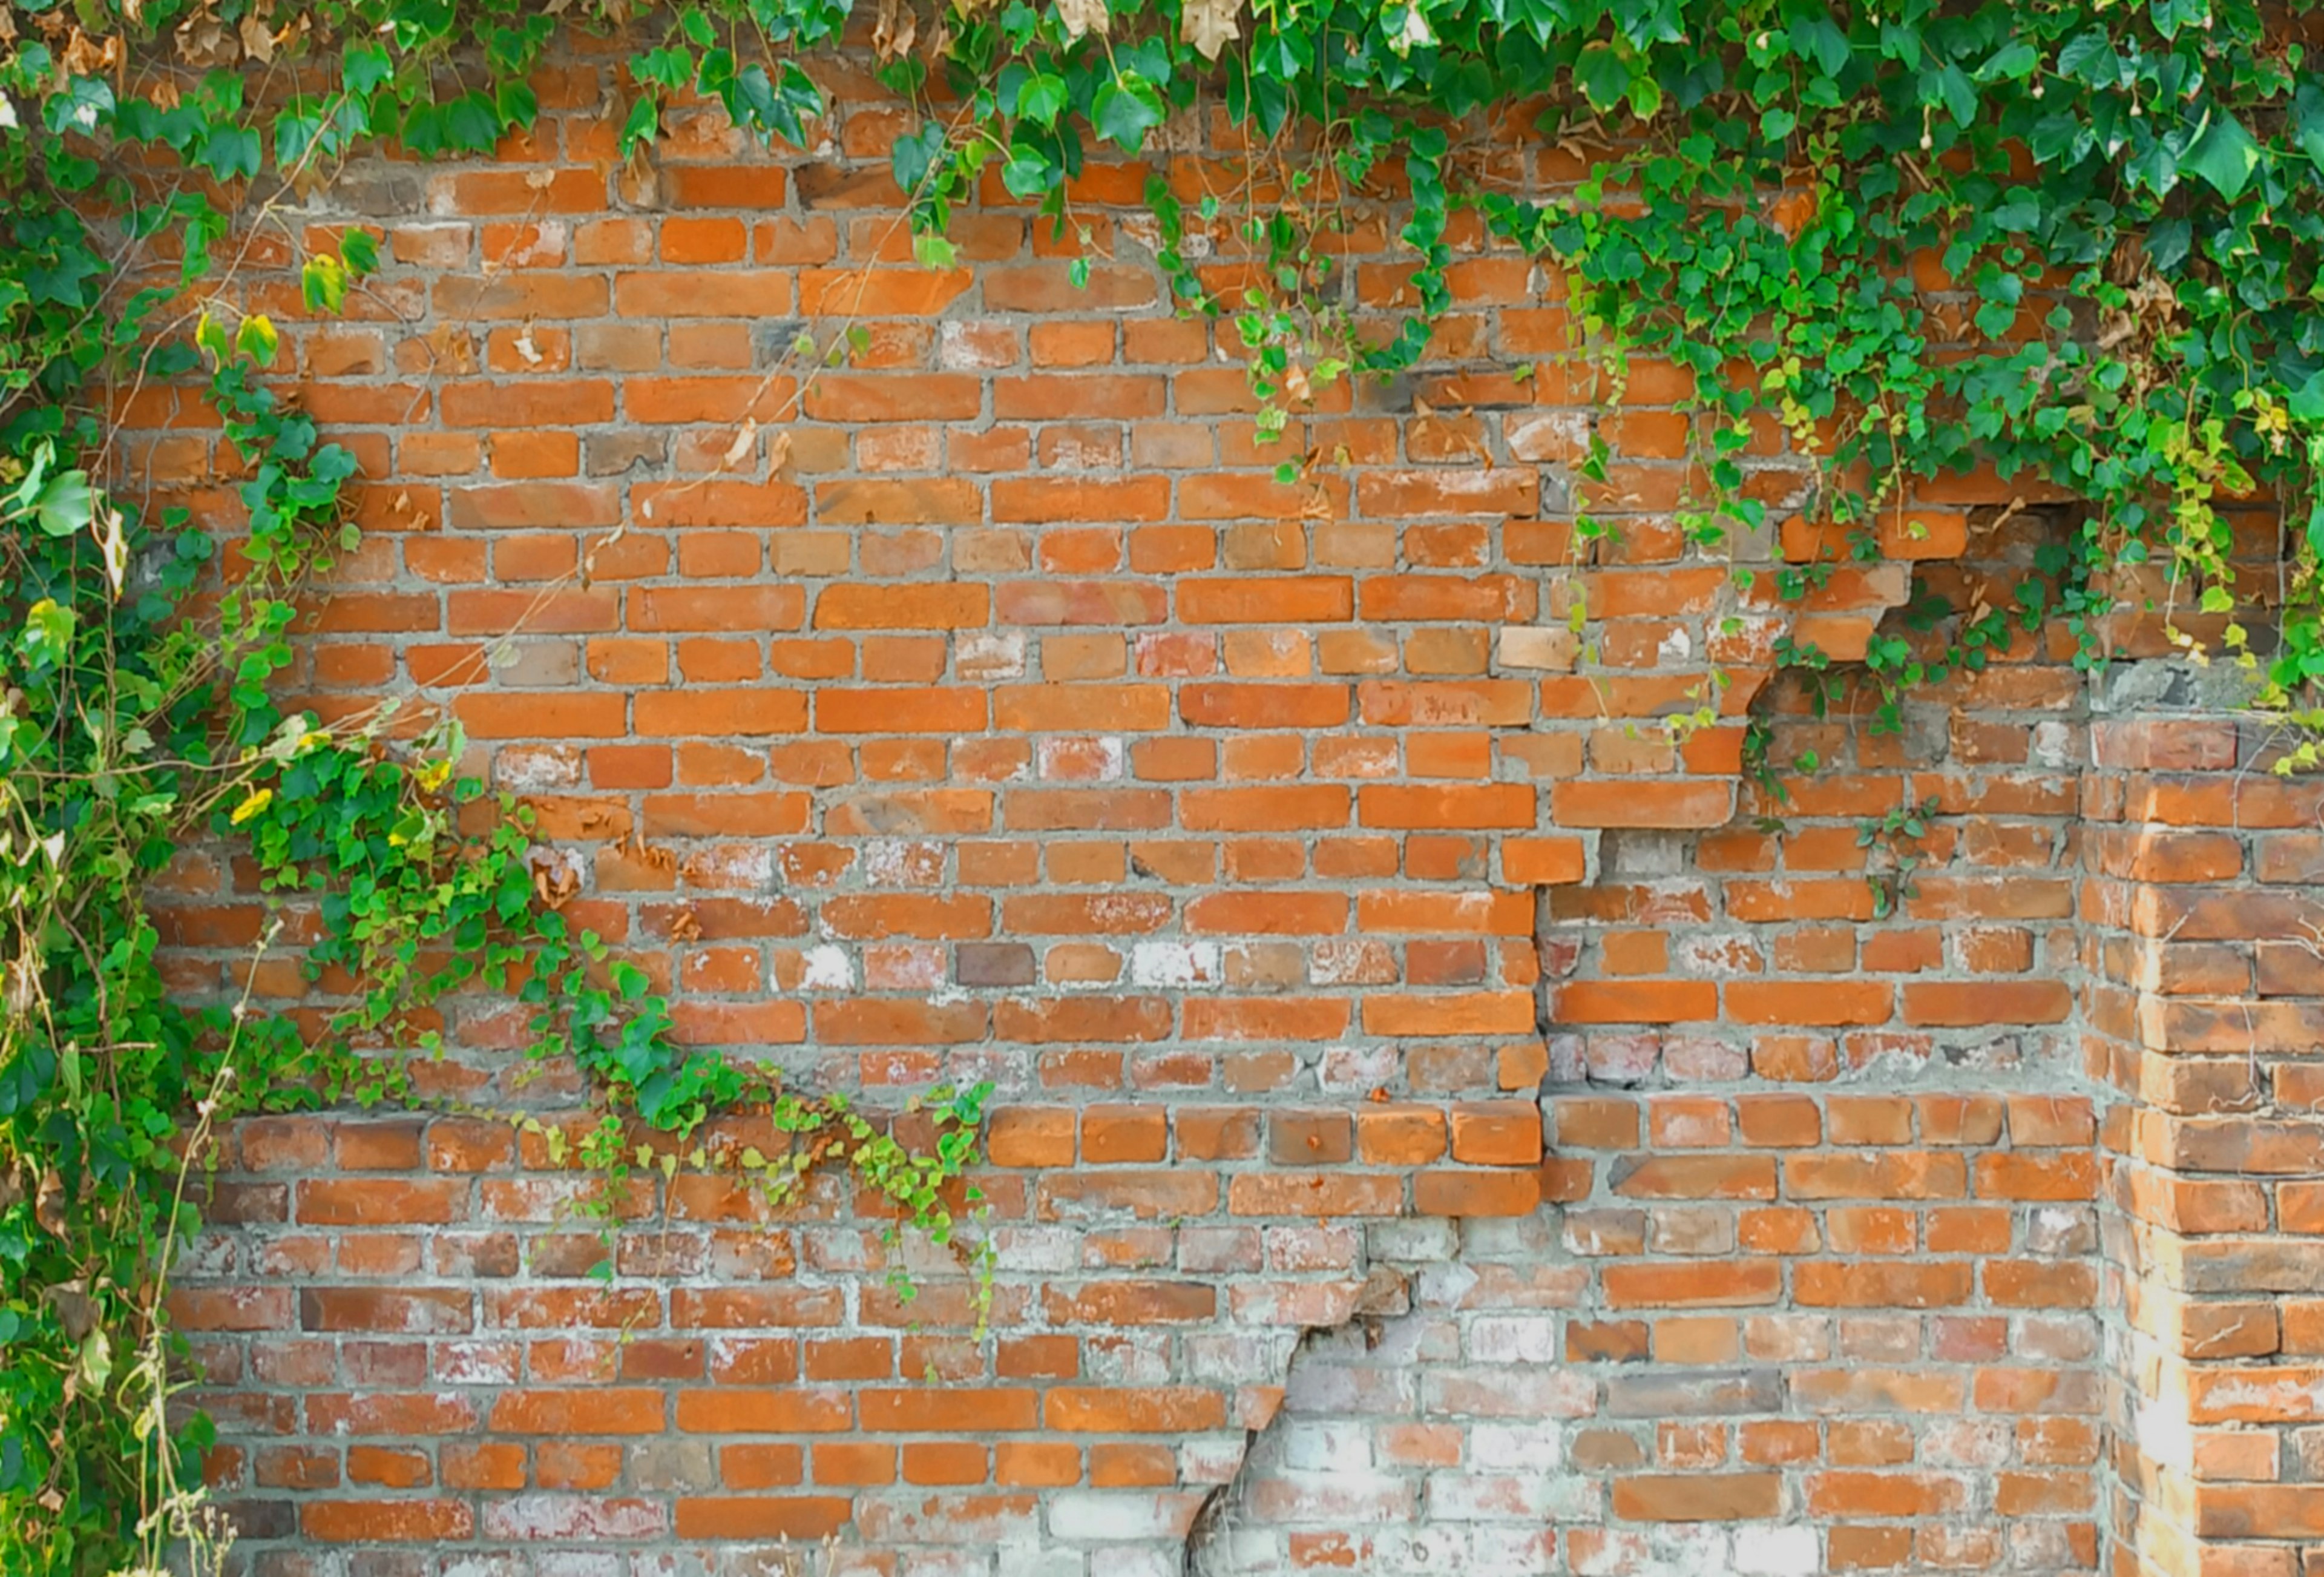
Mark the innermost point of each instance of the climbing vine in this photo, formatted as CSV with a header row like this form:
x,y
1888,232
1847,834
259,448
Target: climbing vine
x,y
2074,240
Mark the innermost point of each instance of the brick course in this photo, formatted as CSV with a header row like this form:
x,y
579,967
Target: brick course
x,y
1441,1126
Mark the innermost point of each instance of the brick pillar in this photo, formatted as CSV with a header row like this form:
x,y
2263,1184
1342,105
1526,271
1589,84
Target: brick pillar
x,y
2206,1015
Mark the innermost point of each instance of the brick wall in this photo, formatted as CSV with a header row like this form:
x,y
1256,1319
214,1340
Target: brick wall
x,y
1441,1126
2204,1015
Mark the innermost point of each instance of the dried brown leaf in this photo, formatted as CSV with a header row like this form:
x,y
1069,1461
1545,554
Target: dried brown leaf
x,y
893,30
1084,16
49,1204
257,40
1210,26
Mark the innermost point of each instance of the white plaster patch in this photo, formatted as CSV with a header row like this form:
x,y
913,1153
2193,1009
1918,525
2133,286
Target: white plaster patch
x,y
528,766
1174,964
1776,1552
986,655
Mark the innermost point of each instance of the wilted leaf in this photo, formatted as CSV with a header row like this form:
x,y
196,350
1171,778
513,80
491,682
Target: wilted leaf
x,y
1083,16
1210,26
203,40
76,1310
257,40
49,1204
894,29
83,57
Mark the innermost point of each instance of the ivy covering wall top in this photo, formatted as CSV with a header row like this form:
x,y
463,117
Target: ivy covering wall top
x,y
2134,194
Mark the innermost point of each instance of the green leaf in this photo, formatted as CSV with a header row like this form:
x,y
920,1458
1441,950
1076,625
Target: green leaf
x,y
472,121
65,505
933,252
47,636
363,67
256,337
2012,61
323,283
2225,155
1041,98
911,157
2307,122
95,1367
230,153
359,250
1126,108
2088,57
2307,401
643,123
1602,76
210,335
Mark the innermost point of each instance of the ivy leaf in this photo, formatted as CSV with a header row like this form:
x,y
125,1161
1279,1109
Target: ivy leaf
x,y
2225,155
1084,16
230,153
47,635
2012,61
1821,40
1602,76
423,129
363,67
65,505
2088,57
470,122
256,338
911,157
26,1076
2307,122
933,252
2059,137
64,279
1042,98
210,335
95,1368
1210,26
323,283
643,121
1950,86
1645,97
2307,401
2167,242
1126,108
294,135
517,103
2153,167
1027,174
359,250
